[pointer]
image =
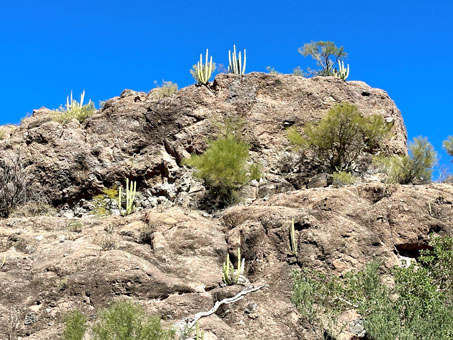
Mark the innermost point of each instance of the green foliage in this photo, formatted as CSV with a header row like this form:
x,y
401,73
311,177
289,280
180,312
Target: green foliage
x,y
297,71
127,321
418,306
166,90
235,63
201,73
326,54
342,178
74,325
448,145
131,191
73,110
415,168
223,167
341,137
100,205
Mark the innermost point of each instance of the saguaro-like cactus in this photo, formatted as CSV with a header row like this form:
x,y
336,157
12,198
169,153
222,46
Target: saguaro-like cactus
x,y
230,275
235,66
131,190
202,73
342,73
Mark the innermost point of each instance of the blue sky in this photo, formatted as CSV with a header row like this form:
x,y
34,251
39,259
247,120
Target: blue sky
x,y
52,47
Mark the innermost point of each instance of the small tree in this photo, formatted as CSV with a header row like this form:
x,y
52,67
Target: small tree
x,y
341,137
223,167
448,145
326,54
415,168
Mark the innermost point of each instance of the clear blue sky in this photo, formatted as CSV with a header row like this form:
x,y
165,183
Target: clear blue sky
x,y
49,48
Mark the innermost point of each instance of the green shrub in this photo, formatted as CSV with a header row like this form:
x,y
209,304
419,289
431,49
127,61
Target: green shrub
x,y
448,145
74,110
166,90
341,137
326,54
415,168
342,178
418,306
74,325
223,167
127,321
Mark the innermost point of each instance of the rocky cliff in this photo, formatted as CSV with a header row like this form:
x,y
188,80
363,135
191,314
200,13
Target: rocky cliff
x,y
168,256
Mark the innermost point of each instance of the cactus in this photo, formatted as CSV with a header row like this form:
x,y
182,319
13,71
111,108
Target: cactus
x,y
199,335
231,276
236,65
202,73
130,197
292,239
342,73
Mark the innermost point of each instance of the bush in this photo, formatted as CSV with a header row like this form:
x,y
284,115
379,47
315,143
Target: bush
x,y
415,168
166,90
74,110
418,306
223,167
33,208
74,326
13,184
341,137
342,178
127,321
448,145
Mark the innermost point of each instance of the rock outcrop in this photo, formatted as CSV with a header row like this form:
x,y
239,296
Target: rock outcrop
x,y
169,258
138,137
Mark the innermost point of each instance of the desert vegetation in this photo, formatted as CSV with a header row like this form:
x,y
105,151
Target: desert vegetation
x,y
74,110
418,305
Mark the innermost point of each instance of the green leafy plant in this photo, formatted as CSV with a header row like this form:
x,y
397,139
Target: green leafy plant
x,y
341,178
272,70
230,275
341,137
167,89
292,239
448,145
415,168
235,63
418,305
201,73
131,190
99,201
74,110
326,54
127,321
74,325
224,167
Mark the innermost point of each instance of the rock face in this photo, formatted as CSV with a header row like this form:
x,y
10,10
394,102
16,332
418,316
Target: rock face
x,y
144,139
171,260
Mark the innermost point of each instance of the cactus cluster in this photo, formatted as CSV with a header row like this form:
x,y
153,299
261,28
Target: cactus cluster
x,y
230,275
131,190
235,62
202,73
342,73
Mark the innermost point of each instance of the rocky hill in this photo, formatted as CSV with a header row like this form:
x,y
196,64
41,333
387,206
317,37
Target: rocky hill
x,y
168,255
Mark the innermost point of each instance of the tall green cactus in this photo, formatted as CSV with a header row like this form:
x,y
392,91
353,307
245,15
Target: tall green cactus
x,y
131,190
236,65
202,73
342,73
230,275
